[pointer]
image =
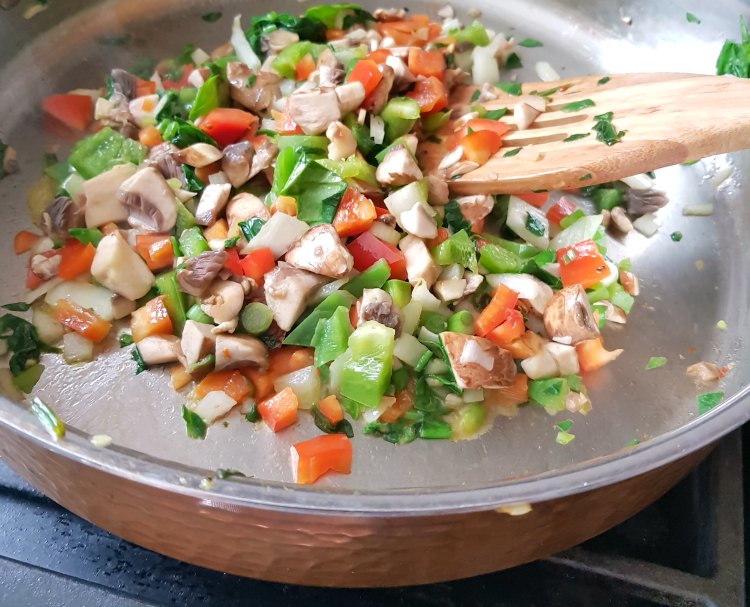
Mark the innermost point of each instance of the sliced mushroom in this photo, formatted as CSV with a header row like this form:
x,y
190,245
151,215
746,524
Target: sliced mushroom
x,y
342,143
320,251
477,207
263,158
330,71
620,220
314,111
642,202
237,161
705,372
124,83
398,168
477,362
256,92
350,96
630,283
10,162
568,318
200,271
524,115
277,40
120,269
437,191
162,157
234,351
102,204
244,206
61,215
473,282
213,200
377,305
376,100
197,341
224,301
287,289
150,201
419,263
402,75
159,349
199,155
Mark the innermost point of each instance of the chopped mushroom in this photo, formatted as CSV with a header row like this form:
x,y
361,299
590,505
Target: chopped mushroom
x,y
121,306
120,269
237,161
199,155
263,158
376,100
524,115
643,202
61,215
620,220
197,341
419,263
314,111
342,143
159,349
402,75
102,205
213,200
244,206
45,267
234,351
200,271
477,362
350,96
224,301
277,40
124,83
398,168
704,372
437,191
629,282
378,305
150,201
10,162
330,71
162,157
568,318
320,251
419,221
260,95
477,207
287,289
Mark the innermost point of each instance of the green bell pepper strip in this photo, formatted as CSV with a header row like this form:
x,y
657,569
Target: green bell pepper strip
x,y
204,365
607,199
498,260
373,277
306,142
599,293
461,322
174,300
434,429
474,34
550,393
303,333
192,242
367,375
332,336
621,298
86,235
399,116
459,249
399,291
102,151
198,315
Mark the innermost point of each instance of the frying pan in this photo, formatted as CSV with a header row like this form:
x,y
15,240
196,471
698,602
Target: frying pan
x,y
426,511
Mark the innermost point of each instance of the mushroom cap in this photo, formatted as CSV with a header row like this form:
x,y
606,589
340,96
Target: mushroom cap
x,y
568,317
473,375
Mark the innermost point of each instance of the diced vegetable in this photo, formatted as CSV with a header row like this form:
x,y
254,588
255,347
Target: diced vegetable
x,y
367,73
528,222
367,250
151,319
76,111
173,299
81,320
355,214
104,150
366,376
311,459
582,264
280,411
230,382
502,303
305,383
332,336
227,125
593,356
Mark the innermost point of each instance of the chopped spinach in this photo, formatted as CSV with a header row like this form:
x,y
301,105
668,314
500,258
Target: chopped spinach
x,y
194,424
574,106
513,62
511,153
307,28
126,339
603,80
323,423
530,43
691,18
512,88
454,219
23,342
605,130
575,137
19,306
140,364
495,114
734,57
251,227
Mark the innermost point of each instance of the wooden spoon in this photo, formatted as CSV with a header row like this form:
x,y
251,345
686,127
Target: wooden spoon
x,y
666,118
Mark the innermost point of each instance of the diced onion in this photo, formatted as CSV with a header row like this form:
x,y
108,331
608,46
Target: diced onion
x,y
450,289
583,229
199,56
278,234
436,366
546,72
427,336
638,182
92,297
698,210
242,47
485,68
408,349
214,405
377,129
421,294
722,175
540,366
527,286
49,330
326,290
7,387
371,415
385,232
305,383
411,313
614,272
647,225
473,396
77,349
565,358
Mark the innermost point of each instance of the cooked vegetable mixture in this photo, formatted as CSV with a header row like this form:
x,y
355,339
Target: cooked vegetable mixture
x,y
261,218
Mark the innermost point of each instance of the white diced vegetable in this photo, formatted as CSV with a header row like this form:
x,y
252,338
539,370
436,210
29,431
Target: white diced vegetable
x,y
565,358
527,286
436,366
411,313
305,383
119,268
102,204
638,182
421,294
278,234
143,109
528,222
647,225
475,395
540,366
84,294
214,405
450,289
583,229
385,232
546,72
404,198
242,47
371,415
77,349
49,330
408,349
484,65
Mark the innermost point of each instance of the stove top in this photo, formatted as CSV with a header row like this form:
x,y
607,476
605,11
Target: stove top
x,y
687,549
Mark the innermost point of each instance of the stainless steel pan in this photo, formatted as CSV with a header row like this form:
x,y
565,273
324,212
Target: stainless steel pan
x,y
428,510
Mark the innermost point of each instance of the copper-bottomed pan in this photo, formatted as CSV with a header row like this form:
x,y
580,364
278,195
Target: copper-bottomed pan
x,y
426,511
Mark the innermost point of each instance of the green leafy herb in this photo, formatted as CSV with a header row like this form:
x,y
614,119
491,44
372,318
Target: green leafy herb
x,y
252,415
534,225
144,68
317,190
708,401
86,235
307,28
194,424
513,62
495,114
23,342
576,137
605,130
225,473
564,425
230,243
453,218
575,106
512,88
182,133
251,227
475,95
322,422
126,339
192,183
530,43
734,57
691,18
655,362
19,306
547,92
603,80
211,17
511,153
676,236
140,364
398,433
48,418
634,442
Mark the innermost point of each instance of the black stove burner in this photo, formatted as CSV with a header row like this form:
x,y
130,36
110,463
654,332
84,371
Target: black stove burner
x,y
685,550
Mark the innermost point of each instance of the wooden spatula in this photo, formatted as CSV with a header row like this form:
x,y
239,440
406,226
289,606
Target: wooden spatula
x,y
666,118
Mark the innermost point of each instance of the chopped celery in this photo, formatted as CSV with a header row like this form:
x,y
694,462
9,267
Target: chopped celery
x,y
373,277
198,315
174,300
399,291
256,317
192,242
461,322
550,393
597,294
304,332
367,375
102,151
332,336
353,167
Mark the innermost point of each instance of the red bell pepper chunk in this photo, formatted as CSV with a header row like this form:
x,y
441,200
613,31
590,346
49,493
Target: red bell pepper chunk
x,y
582,264
76,111
503,301
311,459
367,249
485,124
304,68
509,330
257,264
426,63
479,146
233,263
76,259
355,214
226,125
535,199
430,95
366,71
561,209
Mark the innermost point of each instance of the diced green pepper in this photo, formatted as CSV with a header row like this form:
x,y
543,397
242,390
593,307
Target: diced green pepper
x,y
607,199
598,293
303,333
621,298
498,260
308,143
473,34
399,291
399,116
432,122
550,393
461,322
102,151
185,219
192,242
332,336
174,299
27,379
367,375
286,61
373,277
459,249
86,235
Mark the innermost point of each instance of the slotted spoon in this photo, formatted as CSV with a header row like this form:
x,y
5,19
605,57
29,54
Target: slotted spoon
x,y
667,118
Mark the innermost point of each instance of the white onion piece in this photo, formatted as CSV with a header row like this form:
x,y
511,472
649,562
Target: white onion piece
x,y
242,47
84,294
614,272
199,56
219,178
278,234
49,330
214,405
527,286
411,313
422,295
638,182
565,358
408,349
377,129
77,349
450,289
583,229
722,175
474,354
385,232
698,210
647,224
473,396
485,68
546,72
540,366
305,383
371,415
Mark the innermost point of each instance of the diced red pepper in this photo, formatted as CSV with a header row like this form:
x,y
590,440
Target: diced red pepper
x,y
430,64
379,56
430,95
497,311
226,125
366,71
76,259
257,264
304,68
485,124
582,264
509,330
479,146
535,199
561,209
76,111
24,241
312,458
367,249
355,214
